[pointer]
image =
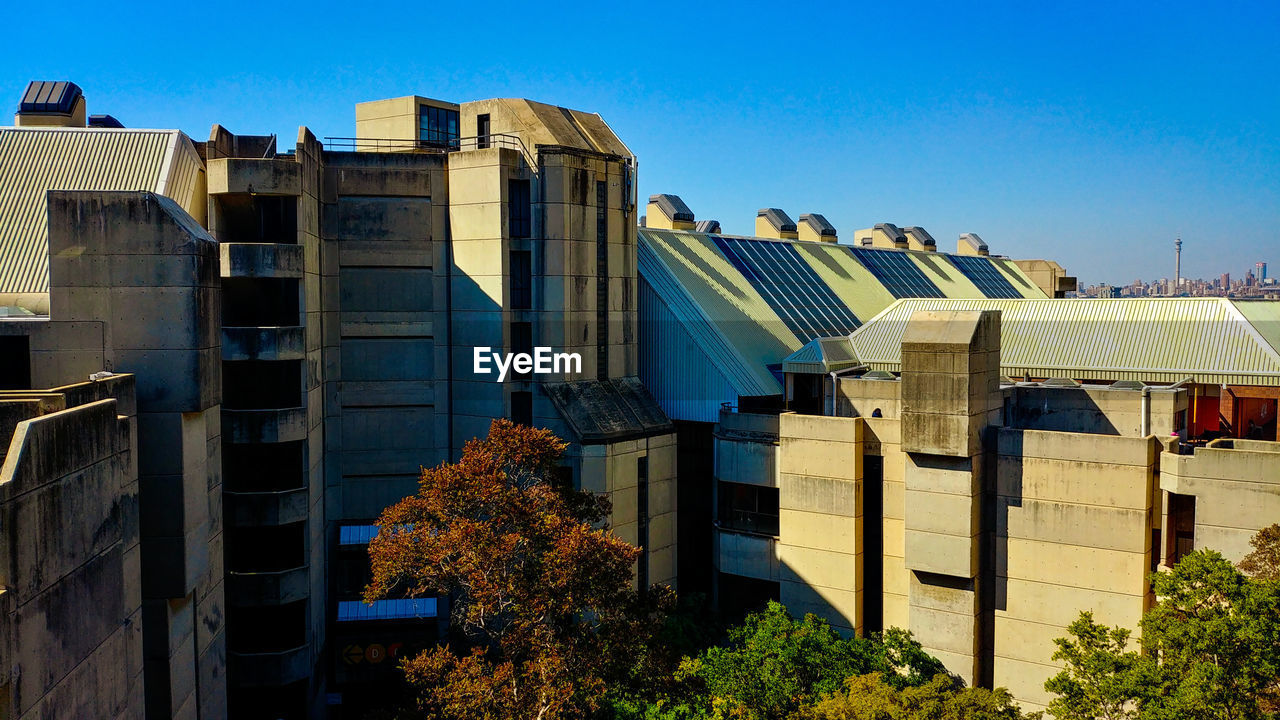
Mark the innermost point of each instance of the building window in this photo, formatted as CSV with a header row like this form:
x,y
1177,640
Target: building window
x,y
15,362
602,281
748,508
437,127
642,520
1182,527
519,210
521,280
482,131
521,343
522,408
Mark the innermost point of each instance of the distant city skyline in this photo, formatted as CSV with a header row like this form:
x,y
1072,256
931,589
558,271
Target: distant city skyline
x,y
1091,134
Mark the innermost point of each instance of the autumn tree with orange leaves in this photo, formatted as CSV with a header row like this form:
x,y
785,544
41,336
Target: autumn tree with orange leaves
x,y
543,610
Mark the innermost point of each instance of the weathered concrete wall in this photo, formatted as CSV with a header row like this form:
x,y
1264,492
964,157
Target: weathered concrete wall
x,y
1236,485
882,437
858,397
134,287
820,522
613,470
71,630
1074,520
1093,409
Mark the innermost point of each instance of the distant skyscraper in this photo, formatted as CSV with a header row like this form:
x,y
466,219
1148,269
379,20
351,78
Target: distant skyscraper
x,y
1261,267
1226,281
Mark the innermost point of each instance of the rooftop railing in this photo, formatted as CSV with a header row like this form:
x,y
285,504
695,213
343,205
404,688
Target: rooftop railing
x,y
478,142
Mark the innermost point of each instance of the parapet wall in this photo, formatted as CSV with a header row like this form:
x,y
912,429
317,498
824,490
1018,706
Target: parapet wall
x,y
71,633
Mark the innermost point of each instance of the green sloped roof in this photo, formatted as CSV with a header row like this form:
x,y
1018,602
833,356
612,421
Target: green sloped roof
x,y
1213,340
743,329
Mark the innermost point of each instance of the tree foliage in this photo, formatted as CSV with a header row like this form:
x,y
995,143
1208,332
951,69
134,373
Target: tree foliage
x,y
1211,651
773,664
869,697
541,595
1264,562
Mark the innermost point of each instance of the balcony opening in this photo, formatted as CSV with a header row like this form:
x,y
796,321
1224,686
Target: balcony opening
x,y
15,362
266,549
808,394
482,131
748,508
1181,537
737,596
260,302
267,628
262,384
278,702
244,218
268,467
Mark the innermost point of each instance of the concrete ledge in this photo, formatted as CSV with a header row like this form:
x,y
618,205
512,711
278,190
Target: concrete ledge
x,y
268,588
263,343
265,176
256,509
264,426
272,668
263,260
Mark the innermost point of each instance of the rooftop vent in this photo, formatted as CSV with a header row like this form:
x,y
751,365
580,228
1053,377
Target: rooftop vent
x,y
776,224
668,212
1061,382
879,375
919,239
51,103
707,226
1128,385
104,121
971,244
814,227
883,235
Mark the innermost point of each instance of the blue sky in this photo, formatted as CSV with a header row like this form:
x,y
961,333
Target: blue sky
x,y
1090,133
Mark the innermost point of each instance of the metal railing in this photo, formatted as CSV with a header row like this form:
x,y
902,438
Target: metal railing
x,y
478,142
748,522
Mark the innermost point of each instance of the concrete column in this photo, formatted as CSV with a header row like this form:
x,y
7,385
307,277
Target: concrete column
x,y
950,394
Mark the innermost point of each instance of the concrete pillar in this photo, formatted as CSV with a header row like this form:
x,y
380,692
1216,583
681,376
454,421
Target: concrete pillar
x,y
950,394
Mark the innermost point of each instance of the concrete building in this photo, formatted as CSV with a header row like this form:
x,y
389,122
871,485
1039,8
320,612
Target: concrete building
x,y
878,432
323,306
965,479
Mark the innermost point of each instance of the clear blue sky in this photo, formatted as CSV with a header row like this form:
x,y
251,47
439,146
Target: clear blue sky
x,y
1089,133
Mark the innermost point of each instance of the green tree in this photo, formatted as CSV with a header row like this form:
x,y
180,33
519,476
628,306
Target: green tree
x,y
869,697
1264,562
773,664
542,597
1211,651
1099,681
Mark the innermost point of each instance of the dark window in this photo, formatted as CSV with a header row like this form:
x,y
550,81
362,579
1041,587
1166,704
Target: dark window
x,y
520,213
521,280
15,362
642,519
521,342
748,508
522,408
482,131
1182,527
602,281
437,126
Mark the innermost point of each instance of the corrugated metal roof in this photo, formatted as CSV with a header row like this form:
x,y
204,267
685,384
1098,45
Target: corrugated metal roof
x,y
733,325
34,161
820,356
1213,340
729,333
